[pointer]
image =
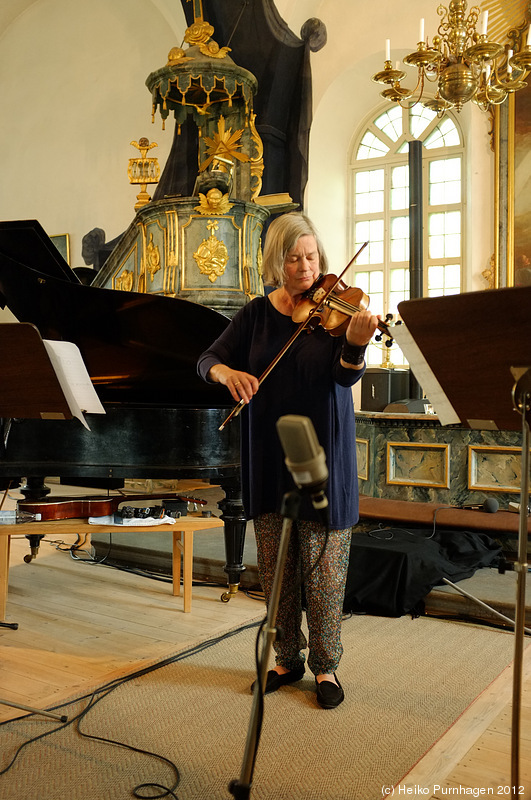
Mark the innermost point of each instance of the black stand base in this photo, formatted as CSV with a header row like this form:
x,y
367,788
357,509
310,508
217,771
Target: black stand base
x,y
241,789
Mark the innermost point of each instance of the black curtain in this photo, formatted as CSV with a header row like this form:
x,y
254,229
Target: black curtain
x,y
262,43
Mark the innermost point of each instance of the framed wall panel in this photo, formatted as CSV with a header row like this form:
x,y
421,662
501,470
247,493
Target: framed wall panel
x,y
412,464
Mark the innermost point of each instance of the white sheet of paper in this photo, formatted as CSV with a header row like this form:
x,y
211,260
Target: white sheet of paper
x,y
74,379
133,522
425,376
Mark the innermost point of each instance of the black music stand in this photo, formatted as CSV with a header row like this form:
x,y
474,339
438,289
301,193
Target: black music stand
x,y
471,353
30,388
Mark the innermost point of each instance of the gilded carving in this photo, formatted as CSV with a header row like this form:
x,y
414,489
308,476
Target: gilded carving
x,y
257,162
152,258
177,56
212,255
247,279
199,34
224,143
124,281
489,274
214,202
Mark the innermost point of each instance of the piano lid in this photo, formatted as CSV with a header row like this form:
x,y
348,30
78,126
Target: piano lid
x,y
26,241
138,348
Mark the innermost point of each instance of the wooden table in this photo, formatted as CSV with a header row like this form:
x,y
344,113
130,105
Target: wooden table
x,y
183,545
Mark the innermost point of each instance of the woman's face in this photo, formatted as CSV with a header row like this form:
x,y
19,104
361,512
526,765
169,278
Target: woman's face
x,y
301,266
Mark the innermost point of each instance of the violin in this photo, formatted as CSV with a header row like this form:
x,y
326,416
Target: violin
x,y
331,304
85,507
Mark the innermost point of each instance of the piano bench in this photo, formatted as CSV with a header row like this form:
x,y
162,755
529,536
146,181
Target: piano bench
x,y
183,546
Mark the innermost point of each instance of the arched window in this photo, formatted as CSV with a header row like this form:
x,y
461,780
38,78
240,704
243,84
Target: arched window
x,y
379,208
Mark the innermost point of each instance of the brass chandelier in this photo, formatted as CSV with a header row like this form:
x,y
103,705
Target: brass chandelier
x,y
461,63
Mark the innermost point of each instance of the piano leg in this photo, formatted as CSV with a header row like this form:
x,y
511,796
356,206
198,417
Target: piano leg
x,y
35,489
235,526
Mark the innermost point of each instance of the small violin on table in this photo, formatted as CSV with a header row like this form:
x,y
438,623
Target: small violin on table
x,y
84,507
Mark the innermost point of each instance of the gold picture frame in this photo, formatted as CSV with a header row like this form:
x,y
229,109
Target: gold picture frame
x,y
418,464
494,469
512,211
62,242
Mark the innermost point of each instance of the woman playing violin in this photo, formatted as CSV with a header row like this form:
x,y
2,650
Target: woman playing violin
x,y
313,379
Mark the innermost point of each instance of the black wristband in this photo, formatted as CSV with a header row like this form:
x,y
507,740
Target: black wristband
x,y
353,353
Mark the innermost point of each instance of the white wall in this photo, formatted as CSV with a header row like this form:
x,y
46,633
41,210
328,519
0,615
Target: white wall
x,y
73,96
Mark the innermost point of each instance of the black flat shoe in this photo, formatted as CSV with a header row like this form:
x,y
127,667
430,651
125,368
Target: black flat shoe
x,y
275,680
329,694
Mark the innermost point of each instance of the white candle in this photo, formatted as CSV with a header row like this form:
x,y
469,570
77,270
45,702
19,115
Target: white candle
x,y
421,30
483,23
509,56
388,49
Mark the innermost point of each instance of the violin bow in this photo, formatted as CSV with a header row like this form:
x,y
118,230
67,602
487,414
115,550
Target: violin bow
x,y
316,310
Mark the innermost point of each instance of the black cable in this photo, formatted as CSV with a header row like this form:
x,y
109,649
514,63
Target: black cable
x,y
103,692
142,573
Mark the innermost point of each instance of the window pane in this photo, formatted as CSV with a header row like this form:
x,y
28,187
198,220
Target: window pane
x,y
391,123
377,282
369,191
361,280
445,181
453,275
419,119
444,280
371,283
399,188
445,235
399,281
400,239
444,135
371,147
371,231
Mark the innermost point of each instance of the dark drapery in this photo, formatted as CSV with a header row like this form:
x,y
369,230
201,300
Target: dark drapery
x,y
262,43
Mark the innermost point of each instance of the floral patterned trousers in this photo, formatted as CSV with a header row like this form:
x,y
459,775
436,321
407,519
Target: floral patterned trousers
x,y
324,590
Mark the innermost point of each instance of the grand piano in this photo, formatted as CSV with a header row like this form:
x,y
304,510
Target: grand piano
x,y
140,350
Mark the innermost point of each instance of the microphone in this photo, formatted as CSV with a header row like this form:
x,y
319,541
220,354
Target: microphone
x,y
305,459
490,505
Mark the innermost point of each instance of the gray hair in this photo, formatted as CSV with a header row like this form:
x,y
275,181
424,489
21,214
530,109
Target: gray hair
x,y
282,236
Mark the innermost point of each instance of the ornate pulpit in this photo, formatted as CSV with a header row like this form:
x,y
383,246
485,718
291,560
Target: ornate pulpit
x,y
205,247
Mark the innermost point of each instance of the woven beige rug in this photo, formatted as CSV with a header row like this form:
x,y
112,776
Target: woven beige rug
x,y
406,682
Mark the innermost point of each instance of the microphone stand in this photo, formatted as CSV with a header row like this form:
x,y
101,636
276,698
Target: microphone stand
x,y
241,789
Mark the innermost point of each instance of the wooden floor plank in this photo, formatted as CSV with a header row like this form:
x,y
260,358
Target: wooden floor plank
x,y
66,640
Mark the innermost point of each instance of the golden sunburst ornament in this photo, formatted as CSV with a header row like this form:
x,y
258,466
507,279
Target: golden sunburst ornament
x,y
224,144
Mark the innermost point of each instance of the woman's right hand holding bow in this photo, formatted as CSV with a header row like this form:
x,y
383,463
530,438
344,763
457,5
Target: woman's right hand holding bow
x,y
241,385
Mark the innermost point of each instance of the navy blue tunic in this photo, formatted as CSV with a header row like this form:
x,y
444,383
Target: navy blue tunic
x,y
309,380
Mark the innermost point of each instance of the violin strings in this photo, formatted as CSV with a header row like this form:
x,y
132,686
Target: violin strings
x,y
337,304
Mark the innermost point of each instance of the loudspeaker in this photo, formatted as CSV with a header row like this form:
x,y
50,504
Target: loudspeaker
x,y
381,386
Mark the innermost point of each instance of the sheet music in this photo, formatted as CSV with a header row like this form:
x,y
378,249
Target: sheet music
x,y
423,373
74,379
